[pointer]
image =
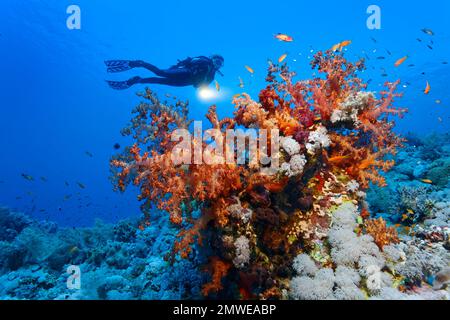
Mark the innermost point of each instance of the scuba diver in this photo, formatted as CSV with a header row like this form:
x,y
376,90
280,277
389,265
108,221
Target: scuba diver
x,y
195,72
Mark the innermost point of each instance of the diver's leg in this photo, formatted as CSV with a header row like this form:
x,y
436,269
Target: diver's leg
x,y
148,66
179,73
174,82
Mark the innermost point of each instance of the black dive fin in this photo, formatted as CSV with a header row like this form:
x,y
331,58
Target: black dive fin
x,y
118,65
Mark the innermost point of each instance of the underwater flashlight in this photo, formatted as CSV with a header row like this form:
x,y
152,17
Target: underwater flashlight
x,y
206,93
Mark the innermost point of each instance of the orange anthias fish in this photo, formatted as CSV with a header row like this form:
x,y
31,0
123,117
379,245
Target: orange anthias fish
x,y
249,69
427,88
400,61
217,85
337,159
427,181
284,37
341,45
282,57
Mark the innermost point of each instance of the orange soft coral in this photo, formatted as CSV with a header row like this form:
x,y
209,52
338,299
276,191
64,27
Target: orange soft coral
x,y
381,234
219,269
336,131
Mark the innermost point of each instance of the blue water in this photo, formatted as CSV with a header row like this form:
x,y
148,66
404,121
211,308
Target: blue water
x,y
55,105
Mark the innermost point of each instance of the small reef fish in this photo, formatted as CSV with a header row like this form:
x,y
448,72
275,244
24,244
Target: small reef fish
x,y
429,47
249,69
82,186
67,197
337,159
341,45
73,249
400,61
428,181
217,85
89,154
284,37
27,177
438,101
427,88
116,146
66,183
237,95
428,31
282,57
241,83
44,179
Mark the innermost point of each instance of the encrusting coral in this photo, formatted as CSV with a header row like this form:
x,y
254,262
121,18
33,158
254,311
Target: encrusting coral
x,y
334,138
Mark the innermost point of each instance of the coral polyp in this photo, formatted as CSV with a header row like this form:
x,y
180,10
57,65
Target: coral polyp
x,y
335,138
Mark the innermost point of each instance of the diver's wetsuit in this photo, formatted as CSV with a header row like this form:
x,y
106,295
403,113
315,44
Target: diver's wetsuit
x,y
195,72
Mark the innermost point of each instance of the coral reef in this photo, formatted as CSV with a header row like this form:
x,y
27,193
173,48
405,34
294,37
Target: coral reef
x,y
255,217
116,262
319,211
353,267
127,260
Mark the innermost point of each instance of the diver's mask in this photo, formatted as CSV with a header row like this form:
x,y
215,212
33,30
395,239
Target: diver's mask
x,y
218,62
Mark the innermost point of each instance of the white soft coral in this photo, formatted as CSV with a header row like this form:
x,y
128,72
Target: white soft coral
x,y
318,139
242,253
290,145
351,107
